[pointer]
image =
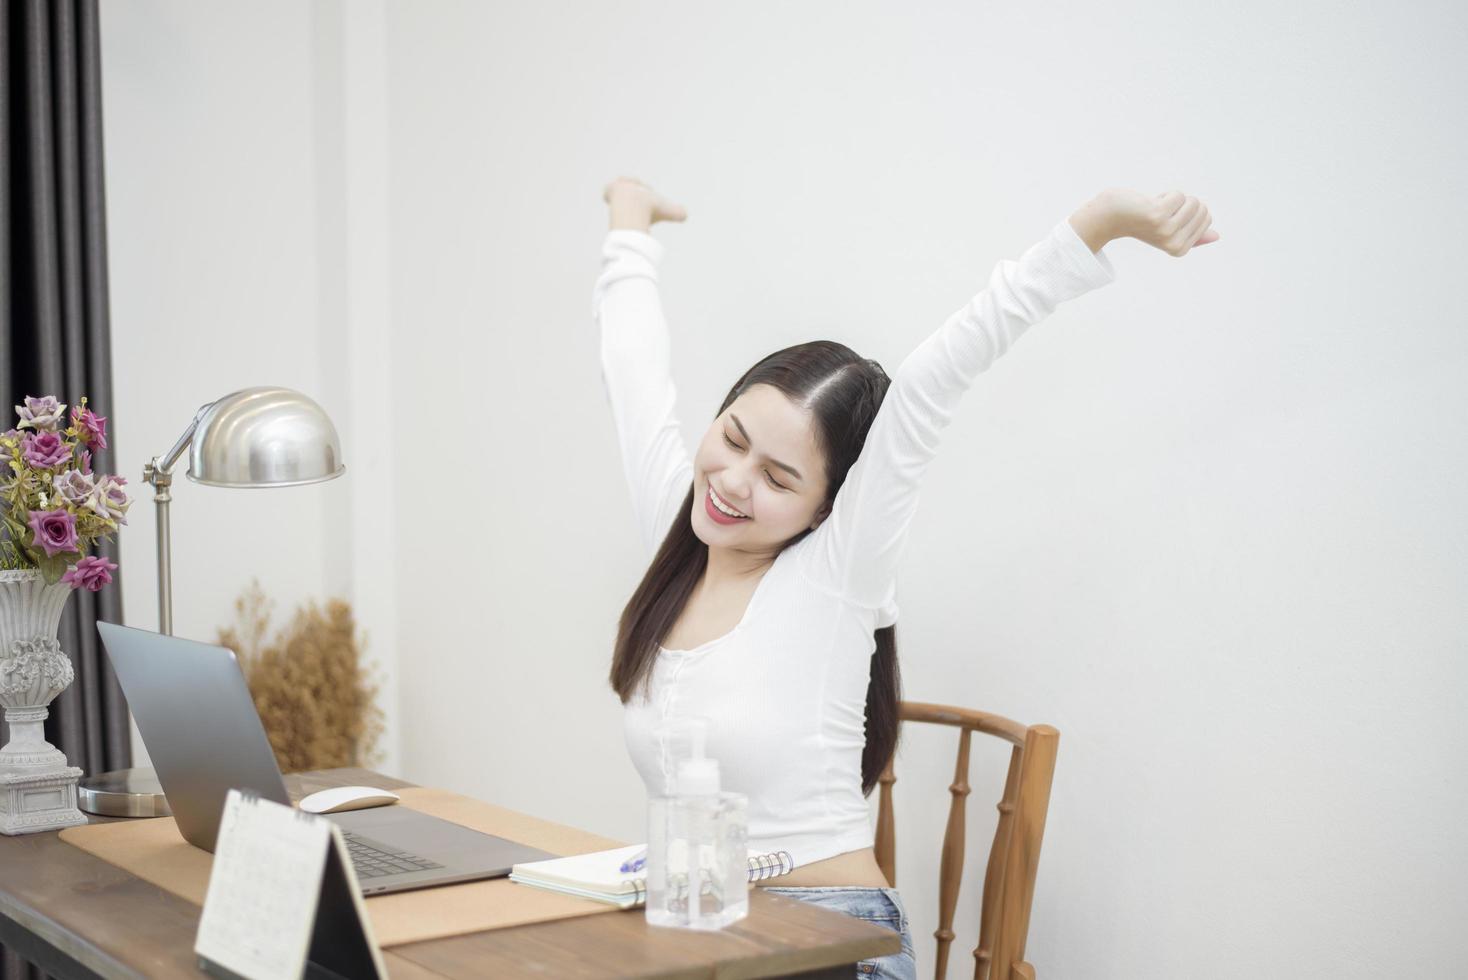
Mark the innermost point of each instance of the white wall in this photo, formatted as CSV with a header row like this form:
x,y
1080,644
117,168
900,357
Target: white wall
x,y
1206,521
246,225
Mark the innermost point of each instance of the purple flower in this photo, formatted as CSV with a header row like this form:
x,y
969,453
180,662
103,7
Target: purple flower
x,y
109,500
90,573
41,414
45,450
75,487
55,531
90,428
86,462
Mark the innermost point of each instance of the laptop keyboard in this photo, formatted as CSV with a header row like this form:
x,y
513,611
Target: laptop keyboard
x,y
373,859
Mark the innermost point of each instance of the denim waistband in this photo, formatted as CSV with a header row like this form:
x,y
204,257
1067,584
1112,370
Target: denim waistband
x,y
859,900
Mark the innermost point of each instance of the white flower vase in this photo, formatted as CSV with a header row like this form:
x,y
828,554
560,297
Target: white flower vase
x,y
37,787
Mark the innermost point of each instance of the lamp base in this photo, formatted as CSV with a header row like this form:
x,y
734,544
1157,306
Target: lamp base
x,y
123,793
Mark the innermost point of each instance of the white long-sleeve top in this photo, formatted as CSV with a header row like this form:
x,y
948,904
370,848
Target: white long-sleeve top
x,y
785,689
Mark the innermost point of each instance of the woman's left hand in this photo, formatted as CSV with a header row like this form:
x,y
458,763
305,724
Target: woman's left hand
x,y
1172,221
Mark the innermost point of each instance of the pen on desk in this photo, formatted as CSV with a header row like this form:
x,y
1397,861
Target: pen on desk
x,y
636,861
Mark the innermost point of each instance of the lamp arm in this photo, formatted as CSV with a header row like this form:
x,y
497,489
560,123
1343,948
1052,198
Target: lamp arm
x,y
164,464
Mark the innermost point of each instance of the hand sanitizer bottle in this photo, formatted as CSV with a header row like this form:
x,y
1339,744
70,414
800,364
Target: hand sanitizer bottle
x,y
697,846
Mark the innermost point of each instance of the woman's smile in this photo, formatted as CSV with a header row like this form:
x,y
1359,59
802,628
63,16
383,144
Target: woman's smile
x,y
713,503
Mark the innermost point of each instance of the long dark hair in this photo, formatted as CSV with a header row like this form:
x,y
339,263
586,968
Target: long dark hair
x,y
843,391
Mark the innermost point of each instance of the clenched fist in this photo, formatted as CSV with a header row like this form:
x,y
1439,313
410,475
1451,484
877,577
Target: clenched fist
x,y
1171,221
635,205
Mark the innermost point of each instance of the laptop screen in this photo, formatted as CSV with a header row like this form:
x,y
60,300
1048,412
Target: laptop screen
x,y
198,723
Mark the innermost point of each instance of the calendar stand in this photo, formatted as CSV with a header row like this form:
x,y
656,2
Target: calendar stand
x,y
283,900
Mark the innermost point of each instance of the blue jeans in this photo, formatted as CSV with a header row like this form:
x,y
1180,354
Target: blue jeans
x,y
880,905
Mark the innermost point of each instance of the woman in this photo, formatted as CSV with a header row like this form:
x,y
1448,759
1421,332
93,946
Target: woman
x,y
768,606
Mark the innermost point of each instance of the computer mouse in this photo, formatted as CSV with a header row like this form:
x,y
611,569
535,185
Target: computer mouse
x,y
340,798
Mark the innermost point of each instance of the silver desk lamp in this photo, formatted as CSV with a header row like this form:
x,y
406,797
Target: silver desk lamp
x,y
257,437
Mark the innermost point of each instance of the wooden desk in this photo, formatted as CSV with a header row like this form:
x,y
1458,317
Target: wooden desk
x,y
75,915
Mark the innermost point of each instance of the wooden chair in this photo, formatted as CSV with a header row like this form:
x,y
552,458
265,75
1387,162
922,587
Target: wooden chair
x,y
1009,881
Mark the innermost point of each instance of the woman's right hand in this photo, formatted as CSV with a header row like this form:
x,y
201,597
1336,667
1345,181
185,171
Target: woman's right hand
x,y
636,206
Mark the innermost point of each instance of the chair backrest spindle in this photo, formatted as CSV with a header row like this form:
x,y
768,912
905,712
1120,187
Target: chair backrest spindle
x,y
886,844
994,872
950,869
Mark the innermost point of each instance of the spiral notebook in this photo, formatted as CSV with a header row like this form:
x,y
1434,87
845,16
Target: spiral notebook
x,y
596,875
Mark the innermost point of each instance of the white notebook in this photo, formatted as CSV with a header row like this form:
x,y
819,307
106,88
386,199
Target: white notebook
x,y
597,876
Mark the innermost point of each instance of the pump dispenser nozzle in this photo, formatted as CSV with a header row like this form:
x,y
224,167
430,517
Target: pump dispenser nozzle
x,y
698,777
688,769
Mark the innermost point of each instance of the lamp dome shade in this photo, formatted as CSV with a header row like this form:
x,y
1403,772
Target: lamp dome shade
x,y
264,437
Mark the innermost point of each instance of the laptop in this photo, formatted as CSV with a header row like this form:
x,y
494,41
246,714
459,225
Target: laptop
x,y
201,729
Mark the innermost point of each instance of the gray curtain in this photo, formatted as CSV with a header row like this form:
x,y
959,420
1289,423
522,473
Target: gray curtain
x,y
53,299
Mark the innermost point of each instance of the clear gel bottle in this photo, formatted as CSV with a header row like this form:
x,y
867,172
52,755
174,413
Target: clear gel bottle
x,y
697,849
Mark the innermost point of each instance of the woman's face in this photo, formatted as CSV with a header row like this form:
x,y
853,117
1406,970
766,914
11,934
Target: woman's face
x,y
760,457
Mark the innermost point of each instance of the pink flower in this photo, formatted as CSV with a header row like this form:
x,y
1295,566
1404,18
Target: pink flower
x,y
90,428
45,450
90,573
74,487
42,414
55,531
108,499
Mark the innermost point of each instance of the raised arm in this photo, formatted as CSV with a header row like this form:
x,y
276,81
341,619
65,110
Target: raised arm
x,y
855,551
635,360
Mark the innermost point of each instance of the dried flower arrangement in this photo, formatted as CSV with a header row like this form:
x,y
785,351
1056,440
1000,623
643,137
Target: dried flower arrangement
x,y
309,683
